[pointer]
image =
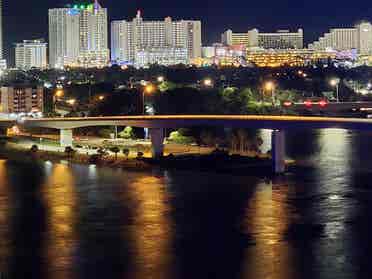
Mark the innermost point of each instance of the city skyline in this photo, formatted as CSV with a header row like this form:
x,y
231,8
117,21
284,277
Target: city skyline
x,y
19,24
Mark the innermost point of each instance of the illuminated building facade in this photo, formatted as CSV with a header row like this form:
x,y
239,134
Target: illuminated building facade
x,y
31,54
229,38
2,60
94,49
128,38
22,99
77,33
341,39
222,55
63,37
161,56
282,39
291,58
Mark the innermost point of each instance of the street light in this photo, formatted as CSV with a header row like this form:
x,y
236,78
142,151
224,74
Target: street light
x,y
101,98
160,79
207,82
149,89
335,83
270,87
58,94
71,102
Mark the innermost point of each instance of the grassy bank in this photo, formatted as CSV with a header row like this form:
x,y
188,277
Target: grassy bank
x,y
12,152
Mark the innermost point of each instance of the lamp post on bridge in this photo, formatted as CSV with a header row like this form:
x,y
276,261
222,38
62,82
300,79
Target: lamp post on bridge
x,y
336,83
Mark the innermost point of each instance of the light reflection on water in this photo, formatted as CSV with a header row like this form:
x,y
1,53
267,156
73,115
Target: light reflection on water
x,y
60,200
4,218
71,221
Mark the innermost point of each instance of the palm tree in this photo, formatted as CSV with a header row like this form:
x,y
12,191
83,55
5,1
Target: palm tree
x,y
69,151
139,155
115,150
126,152
34,148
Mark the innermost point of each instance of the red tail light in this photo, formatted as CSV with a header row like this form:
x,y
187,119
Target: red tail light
x,y
323,103
308,103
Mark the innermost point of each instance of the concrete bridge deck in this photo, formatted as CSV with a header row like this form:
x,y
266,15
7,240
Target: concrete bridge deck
x,y
179,121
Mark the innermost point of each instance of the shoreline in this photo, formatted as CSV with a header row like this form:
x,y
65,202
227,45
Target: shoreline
x,y
215,162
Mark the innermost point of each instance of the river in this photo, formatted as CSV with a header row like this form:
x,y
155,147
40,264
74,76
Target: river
x,y
75,221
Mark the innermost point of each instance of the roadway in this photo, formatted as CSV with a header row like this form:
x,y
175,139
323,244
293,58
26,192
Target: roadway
x,y
182,121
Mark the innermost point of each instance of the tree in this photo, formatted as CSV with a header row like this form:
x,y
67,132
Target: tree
x,y
115,150
34,148
101,152
127,133
180,137
69,151
126,152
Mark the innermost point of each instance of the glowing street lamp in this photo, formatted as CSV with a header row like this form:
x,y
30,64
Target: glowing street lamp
x,y
270,87
101,98
208,82
59,93
71,102
160,79
149,89
335,83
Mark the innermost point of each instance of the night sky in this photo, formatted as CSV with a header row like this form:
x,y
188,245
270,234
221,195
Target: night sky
x,y
28,19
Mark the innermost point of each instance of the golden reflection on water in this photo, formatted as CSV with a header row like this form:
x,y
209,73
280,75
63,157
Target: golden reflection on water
x,y
267,221
4,217
151,228
60,201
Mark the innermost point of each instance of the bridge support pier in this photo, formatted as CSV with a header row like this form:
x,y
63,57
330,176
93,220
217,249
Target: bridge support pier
x,y
278,151
157,142
65,137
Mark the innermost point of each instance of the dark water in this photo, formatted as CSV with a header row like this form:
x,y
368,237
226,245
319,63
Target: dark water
x,y
60,221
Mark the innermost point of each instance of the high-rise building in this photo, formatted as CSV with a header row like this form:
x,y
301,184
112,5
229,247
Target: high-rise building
x,y
63,37
281,39
1,29
93,36
341,39
78,36
2,60
31,54
128,38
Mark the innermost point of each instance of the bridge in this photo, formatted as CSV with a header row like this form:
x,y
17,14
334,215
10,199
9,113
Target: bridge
x,y
331,107
157,124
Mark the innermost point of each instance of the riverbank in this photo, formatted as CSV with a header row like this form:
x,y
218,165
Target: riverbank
x,y
19,154
217,161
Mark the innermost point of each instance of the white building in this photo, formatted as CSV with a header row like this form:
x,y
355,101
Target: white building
x,y
128,38
78,33
63,37
341,39
31,54
208,51
2,60
162,56
281,39
94,49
